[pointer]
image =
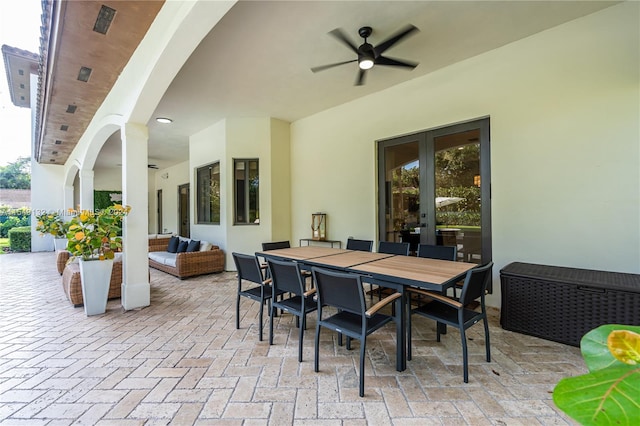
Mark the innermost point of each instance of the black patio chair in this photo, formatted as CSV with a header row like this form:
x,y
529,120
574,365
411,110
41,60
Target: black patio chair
x,y
287,277
437,252
249,270
360,245
390,247
455,313
344,292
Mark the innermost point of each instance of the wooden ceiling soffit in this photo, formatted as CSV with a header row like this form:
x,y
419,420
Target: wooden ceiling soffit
x,y
84,54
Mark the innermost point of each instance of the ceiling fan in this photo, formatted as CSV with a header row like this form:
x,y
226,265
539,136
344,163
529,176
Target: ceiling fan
x,y
369,55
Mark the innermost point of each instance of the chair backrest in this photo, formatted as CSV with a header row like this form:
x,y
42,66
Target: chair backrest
x,y
275,245
248,267
361,245
475,283
438,252
286,276
340,290
390,247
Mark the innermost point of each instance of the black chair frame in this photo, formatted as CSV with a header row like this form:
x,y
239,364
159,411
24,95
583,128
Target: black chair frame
x,y
287,277
455,313
344,292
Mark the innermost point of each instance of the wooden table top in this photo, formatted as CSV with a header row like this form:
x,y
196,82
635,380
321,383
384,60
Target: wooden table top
x,y
420,269
346,260
302,253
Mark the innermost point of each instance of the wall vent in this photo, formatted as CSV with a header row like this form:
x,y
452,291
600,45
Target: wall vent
x,y
71,109
105,17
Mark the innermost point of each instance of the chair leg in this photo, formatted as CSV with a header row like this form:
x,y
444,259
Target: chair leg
x,y
316,351
271,325
238,312
260,320
348,343
465,361
486,339
437,332
409,331
301,338
363,344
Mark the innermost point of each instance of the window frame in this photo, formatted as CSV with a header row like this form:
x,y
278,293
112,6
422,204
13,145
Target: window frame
x,y
245,197
199,194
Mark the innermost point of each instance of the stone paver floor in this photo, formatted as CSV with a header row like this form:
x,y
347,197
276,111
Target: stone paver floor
x,y
181,361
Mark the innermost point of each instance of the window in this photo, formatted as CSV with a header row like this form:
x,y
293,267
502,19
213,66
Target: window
x,y
208,198
246,184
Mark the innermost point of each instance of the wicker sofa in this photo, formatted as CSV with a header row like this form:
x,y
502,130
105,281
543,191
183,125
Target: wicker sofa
x,y
208,259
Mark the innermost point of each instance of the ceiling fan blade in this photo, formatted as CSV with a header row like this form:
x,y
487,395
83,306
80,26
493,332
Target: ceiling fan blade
x,y
324,67
360,79
383,60
408,30
340,35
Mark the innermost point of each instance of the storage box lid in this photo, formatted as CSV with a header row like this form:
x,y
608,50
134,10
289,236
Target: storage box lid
x,y
586,277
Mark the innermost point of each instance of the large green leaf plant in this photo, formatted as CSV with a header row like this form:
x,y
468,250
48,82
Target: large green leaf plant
x,y
610,393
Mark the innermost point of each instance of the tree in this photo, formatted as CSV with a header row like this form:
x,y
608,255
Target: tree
x,y
16,175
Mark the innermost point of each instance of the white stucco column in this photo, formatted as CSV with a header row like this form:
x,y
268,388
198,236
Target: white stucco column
x,y
136,291
86,189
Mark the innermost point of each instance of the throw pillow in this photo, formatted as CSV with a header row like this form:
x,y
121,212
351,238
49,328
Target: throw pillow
x,y
182,246
194,245
173,245
205,246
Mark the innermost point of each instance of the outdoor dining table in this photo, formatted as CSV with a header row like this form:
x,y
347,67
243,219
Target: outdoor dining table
x,y
392,271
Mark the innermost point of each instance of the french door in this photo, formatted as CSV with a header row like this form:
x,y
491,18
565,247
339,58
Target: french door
x,y
434,188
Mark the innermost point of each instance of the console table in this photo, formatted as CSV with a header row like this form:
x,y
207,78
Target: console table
x,y
310,240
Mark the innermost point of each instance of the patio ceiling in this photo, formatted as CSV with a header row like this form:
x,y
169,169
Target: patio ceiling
x,y
257,60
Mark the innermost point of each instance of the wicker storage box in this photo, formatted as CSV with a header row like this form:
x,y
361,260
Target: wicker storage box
x,y
563,304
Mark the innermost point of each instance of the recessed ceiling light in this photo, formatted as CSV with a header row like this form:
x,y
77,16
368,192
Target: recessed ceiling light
x,y
164,120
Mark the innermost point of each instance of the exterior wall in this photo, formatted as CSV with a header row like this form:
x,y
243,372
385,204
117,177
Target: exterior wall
x,y
176,176
206,147
107,179
565,152
245,138
280,181
46,195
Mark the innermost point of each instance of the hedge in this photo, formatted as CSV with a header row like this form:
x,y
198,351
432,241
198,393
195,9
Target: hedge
x,y
20,239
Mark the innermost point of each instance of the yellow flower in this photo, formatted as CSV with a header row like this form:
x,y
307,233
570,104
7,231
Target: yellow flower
x,y
79,235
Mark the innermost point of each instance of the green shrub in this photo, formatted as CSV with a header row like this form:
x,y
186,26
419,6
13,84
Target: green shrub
x,y
20,239
11,217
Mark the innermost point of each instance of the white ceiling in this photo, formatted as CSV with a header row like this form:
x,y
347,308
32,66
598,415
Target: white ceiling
x,y
257,60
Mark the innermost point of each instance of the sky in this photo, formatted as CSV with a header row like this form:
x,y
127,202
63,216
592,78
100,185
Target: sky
x,y
19,27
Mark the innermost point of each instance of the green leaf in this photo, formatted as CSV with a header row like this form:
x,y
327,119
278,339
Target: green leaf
x,y
609,396
594,346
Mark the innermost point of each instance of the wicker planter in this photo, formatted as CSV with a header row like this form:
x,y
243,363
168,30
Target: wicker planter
x,y
95,276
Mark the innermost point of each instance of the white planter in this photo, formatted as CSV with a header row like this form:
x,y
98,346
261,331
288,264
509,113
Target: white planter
x,y
95,276
60,244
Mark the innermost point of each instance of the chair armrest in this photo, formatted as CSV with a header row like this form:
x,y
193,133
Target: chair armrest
x,y
381,304
439,297
309,292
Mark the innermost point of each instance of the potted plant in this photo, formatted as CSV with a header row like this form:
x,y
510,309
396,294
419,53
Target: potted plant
x,y
93,239
608,395
52,223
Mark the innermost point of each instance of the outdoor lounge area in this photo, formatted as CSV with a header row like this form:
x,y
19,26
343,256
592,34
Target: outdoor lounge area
x,y
181,361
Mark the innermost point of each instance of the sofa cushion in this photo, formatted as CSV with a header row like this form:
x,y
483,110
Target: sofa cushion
x,y
194,245
173,245
182,246
163,257
205,246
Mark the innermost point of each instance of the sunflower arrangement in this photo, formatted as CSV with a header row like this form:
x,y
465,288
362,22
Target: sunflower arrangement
x,y
52,223
94,235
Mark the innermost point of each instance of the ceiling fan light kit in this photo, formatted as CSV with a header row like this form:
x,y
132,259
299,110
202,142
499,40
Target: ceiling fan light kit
x,y
369,55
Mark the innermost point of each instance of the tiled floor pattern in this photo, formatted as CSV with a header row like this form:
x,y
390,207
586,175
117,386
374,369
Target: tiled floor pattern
x,y
181,361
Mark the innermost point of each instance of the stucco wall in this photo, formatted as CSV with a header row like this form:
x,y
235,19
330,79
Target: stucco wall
x,y
565,156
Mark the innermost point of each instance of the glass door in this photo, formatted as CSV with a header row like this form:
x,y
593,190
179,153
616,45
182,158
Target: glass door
x,y
434,189
400,178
